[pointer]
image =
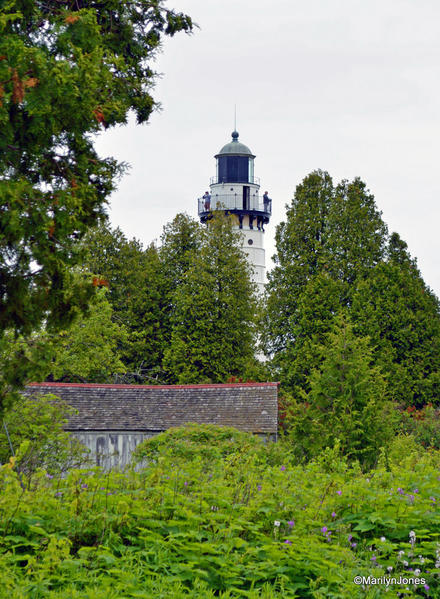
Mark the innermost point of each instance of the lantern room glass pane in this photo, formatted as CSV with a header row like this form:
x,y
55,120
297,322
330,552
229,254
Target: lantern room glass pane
x,y
233,169
251,170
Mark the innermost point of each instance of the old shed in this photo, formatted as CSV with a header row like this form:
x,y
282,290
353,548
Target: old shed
x,y
112,419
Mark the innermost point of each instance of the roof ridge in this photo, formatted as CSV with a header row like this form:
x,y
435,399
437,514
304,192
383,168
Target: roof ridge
x,y
127,386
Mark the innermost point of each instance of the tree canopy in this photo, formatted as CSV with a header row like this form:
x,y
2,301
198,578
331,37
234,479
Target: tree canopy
x,y
188,307
334,256
68,70
136,287
214,311
346,402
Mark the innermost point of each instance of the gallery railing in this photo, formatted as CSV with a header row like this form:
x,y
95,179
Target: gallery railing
x,y
234,202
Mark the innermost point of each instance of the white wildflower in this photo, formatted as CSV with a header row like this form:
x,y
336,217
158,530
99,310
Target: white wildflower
x,y
412,534
276,523
383,539
416,571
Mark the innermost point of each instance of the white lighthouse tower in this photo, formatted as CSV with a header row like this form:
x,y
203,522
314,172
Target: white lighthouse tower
x,y
236,190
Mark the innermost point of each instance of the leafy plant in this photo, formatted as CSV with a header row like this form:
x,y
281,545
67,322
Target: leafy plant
x,y
224,523
32,431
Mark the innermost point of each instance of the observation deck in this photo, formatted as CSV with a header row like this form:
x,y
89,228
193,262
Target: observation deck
x,y
235,203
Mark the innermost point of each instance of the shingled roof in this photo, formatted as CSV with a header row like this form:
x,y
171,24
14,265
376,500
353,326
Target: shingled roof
x,y
251,407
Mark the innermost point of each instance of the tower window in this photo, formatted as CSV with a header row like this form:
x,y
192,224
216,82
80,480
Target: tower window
x,y
250,241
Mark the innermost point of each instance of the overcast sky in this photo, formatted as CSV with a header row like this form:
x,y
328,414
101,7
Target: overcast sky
x,y
347,86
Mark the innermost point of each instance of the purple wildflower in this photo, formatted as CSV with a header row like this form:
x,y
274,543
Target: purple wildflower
x,y
432,499
282,468
416,491
186,483
400,491
426,587
288,542
291,523
349,538
339,492
354,545
324,530
259,487
333,514
84,486
49,475
374,558
58,494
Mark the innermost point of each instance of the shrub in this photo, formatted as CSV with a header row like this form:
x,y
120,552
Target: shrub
x,y
205,441
423,425
33,430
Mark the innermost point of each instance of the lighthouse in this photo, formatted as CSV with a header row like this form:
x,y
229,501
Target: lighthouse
x,y
235,190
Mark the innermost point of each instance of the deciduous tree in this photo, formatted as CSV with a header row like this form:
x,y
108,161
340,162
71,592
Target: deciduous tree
x,y
89,351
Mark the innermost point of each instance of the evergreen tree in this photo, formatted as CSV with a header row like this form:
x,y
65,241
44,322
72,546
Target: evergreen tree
x,y
357,235
180,241
346,400
68,70
332,238
300,242
402,317
334,255
137,292
212,322
318,306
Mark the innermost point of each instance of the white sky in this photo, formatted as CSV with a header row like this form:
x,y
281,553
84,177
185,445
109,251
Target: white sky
x,y
348,86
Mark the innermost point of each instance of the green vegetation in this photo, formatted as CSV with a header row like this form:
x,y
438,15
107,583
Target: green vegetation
x,y
347,401
349,327
32,435
188,307
213,313
216,512
68,70
334,255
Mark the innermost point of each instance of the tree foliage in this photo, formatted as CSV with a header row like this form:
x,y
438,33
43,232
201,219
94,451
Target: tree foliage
x,y
401,316
347,400
32,431
188,307
89,350
300,255
214,310
334,256
68,70
135,281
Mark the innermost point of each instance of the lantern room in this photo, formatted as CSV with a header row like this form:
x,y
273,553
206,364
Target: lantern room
x,y
235,163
